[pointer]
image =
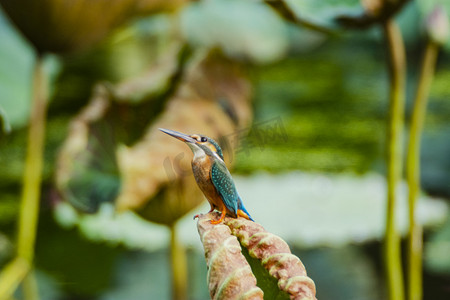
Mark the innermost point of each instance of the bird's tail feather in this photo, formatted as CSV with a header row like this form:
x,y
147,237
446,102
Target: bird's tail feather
x,y
243,212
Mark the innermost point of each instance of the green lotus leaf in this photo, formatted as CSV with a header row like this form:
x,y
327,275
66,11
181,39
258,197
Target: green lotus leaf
x,y
324,13
334,14
16,61
244,29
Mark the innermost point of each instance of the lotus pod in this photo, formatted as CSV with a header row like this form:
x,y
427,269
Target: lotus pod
x,y
229,274
272,253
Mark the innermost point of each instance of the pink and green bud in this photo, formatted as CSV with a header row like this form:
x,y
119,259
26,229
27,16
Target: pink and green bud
x,y
437,25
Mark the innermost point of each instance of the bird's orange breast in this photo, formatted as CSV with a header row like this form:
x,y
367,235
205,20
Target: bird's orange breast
x,y
202,174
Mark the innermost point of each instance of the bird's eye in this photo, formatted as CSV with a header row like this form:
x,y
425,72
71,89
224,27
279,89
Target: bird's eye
x,y
203,139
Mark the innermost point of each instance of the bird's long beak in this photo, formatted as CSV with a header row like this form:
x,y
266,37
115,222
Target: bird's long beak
x,y
178,135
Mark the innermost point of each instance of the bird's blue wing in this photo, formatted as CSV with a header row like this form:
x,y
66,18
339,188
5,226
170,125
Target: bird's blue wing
x,y
221,178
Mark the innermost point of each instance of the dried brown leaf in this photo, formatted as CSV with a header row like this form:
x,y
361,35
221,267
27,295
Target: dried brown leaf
x,y
63,26
154,175
196,107
77,140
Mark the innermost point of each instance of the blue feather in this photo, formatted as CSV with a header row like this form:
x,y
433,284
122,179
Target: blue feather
x,y
241,207
223,182
221,178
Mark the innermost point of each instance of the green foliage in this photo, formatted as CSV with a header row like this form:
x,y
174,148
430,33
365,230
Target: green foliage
x,y
327,131
6,249
16,61
78,255
8,208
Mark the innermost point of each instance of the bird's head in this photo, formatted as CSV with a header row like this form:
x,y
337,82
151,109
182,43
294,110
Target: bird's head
x,y
200,145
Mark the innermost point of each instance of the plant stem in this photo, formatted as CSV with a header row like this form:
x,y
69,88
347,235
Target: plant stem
x,y
392,249
31,191
179,266
413,171
11,277
29,205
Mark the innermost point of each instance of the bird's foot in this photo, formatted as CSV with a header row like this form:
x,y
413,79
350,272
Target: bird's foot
x,y
222,217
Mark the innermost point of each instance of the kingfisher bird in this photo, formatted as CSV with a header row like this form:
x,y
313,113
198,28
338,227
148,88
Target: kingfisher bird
x,y
212,175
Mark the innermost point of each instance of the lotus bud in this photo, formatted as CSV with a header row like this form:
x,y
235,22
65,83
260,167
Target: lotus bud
x,y
437,25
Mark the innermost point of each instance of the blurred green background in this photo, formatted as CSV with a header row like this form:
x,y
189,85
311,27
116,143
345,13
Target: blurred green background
x,y
311,169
